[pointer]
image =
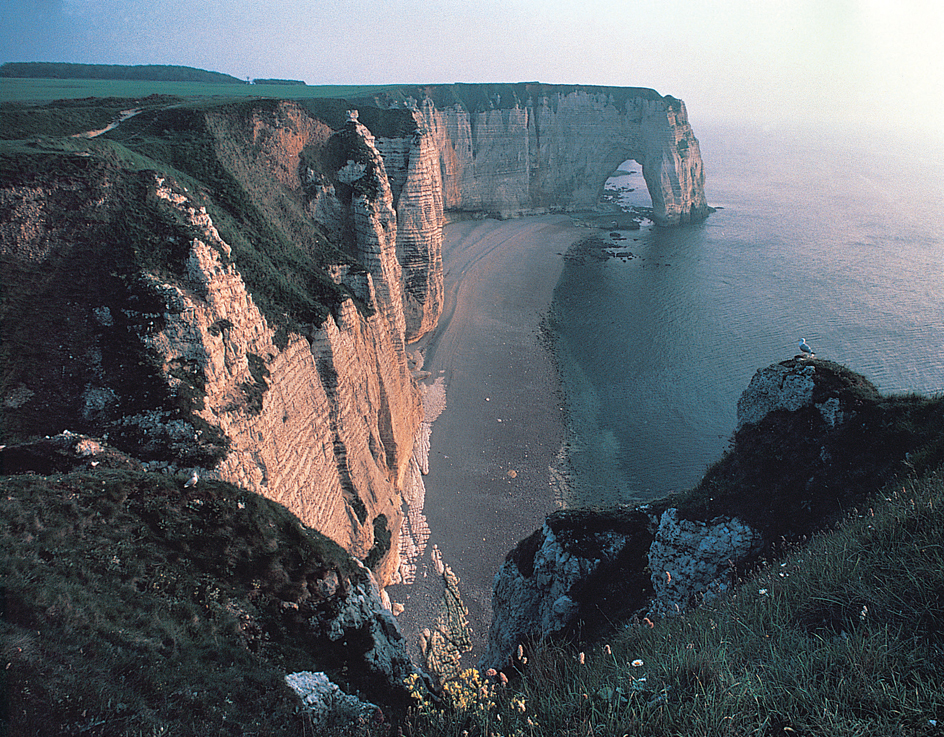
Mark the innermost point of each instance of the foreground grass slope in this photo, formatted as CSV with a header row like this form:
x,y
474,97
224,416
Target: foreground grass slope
x,y
843,637
133,605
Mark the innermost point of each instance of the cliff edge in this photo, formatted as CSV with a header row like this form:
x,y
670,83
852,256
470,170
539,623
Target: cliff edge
x,y
813,441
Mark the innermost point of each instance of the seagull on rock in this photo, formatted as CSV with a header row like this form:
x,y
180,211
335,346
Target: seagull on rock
x,y
194,478
805,349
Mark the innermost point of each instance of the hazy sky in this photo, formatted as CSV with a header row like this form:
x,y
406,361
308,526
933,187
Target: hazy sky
x,y
878,61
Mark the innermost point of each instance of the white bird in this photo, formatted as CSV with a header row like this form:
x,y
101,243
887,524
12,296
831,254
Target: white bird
x,y
805,348
194,478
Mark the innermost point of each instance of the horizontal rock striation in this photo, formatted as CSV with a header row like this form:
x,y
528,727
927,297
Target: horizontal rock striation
x,y
173,357
178,344
323,425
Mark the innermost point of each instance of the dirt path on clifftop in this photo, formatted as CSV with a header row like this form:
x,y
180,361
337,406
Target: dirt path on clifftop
x,y
489,483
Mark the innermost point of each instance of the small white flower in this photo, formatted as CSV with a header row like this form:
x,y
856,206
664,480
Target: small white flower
x,y
762,592
637,663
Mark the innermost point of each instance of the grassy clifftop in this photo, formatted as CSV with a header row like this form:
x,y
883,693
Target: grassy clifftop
x,y
843,637
131,605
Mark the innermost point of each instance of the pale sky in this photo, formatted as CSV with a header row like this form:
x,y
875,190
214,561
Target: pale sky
x,y
876,61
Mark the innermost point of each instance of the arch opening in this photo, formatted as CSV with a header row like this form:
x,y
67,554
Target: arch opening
x,y
626,188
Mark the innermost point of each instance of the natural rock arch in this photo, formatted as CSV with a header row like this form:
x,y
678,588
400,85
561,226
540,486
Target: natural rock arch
x,y
538,148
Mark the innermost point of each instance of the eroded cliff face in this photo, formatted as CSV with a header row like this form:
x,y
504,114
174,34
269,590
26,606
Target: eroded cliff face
x,y
323,424
544,147
412,166
175,359
319,410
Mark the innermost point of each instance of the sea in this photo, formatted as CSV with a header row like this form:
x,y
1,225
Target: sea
x,y
836,237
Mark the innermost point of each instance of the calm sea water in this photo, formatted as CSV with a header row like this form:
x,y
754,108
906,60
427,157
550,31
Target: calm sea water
x,y
832,238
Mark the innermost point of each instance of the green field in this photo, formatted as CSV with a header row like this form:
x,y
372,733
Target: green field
x,y
43,90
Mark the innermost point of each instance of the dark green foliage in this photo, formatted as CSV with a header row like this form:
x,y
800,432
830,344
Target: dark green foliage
x,y
281,258
843,637
63,118
296,82
131,604
152,72
382,540
791,473
73,317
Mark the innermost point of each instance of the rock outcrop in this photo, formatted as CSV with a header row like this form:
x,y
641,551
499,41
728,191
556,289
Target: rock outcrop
x,y
323,425
814,439
580,566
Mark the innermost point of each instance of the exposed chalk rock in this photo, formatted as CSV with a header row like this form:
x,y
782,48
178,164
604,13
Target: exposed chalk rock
x,y
787,475
563,575
776,387
691,560
801,382
361,614
543,147
330,707
332,435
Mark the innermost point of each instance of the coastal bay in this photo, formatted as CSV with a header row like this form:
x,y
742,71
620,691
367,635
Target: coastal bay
x,y
493,447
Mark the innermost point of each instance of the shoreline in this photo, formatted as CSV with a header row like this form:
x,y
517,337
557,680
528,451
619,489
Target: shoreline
x,y
497,428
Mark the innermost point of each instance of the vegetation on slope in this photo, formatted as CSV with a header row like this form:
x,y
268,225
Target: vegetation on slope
x,y
792,472
149,72
133,605
73,302
843,637
80,227
839,635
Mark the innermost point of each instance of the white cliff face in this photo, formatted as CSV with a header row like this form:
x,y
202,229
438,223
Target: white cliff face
x,y
672,165
691,560
555,151
785,386
412,167
331,435
537,605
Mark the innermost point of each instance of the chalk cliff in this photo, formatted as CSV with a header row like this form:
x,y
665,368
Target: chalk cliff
x,y
515,149
241,301
171,350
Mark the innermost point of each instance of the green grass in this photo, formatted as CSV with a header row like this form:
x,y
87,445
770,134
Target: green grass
x,y
47,90
844,637
133,606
